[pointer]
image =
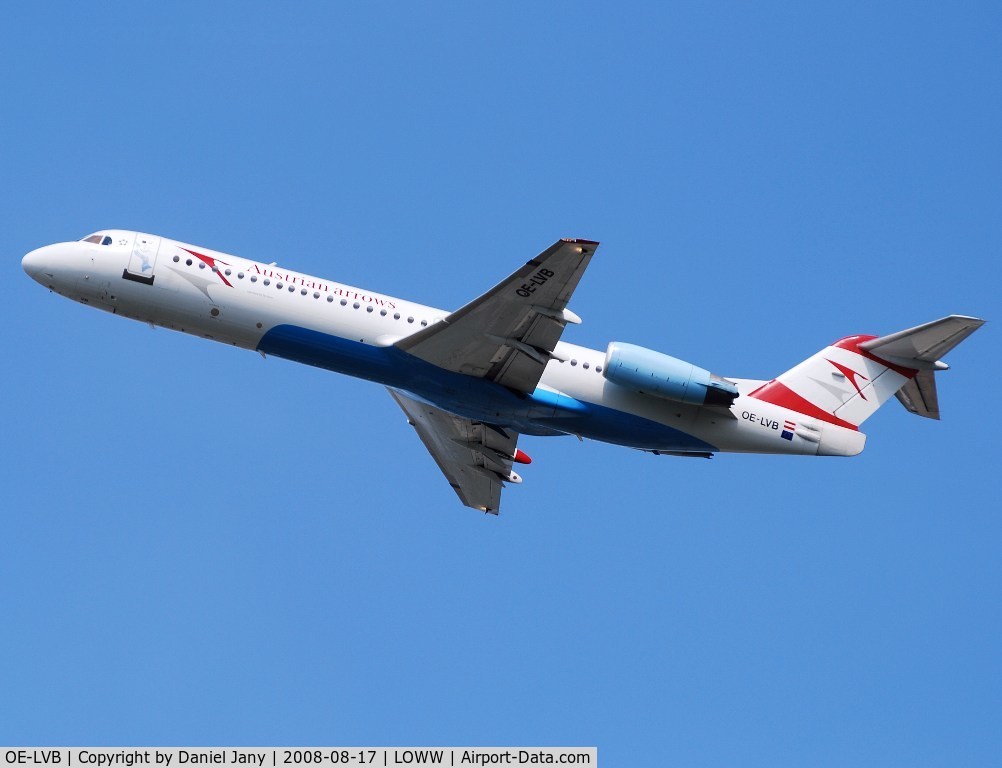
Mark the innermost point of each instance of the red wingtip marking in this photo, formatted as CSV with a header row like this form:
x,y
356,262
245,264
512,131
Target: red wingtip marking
x,y
521,457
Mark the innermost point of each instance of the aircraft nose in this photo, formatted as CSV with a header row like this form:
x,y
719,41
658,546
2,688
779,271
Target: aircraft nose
x,y
34,262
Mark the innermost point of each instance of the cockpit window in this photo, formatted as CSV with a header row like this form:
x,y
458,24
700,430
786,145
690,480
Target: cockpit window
x,y
99,239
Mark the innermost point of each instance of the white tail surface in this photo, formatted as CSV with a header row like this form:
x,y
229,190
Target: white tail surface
x,y
846,382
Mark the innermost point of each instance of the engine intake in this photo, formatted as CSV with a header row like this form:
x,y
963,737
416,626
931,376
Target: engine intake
x,y
653,373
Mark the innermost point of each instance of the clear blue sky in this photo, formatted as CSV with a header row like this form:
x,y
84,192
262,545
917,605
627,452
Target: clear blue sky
x,y
201,547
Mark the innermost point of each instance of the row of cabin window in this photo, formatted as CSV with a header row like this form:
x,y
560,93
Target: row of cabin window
x,y
303,291
586,365
344,302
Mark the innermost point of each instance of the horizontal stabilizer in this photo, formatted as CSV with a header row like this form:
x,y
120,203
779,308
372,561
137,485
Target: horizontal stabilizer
x,y
921,348
925,343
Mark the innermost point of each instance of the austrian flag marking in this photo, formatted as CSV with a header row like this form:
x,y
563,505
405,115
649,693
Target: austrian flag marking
x,y
789,427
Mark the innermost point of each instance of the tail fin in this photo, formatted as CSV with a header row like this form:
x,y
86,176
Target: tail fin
x,y
846,382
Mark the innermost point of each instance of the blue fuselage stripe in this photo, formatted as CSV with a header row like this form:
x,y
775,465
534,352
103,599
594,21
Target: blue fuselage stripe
x,y
542,413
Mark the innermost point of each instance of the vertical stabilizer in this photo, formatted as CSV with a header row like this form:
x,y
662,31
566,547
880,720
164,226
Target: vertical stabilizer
x,y
845,383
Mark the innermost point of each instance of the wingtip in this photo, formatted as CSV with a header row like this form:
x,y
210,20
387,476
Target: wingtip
x,y
977,322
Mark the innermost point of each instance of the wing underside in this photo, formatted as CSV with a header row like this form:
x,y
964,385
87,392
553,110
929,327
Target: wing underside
x,y
508,335
474,456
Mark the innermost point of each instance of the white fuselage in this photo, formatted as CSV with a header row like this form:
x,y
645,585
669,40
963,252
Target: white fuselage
x,y
351,330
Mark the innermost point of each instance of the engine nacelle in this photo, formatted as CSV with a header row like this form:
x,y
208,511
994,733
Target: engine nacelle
x,y
653,373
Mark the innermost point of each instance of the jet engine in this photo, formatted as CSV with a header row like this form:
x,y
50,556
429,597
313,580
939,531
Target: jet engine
x,y
653,373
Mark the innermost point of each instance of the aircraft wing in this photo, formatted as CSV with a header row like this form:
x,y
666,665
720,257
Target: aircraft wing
x,y
508,334
475,457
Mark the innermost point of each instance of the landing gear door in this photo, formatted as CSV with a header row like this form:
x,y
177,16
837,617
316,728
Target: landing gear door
x,y
143,259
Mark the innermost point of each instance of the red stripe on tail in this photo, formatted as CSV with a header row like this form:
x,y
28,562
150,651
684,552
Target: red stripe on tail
x,y
784,397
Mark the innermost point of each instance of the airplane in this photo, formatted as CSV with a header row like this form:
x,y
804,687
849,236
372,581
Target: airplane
x,y
473,380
